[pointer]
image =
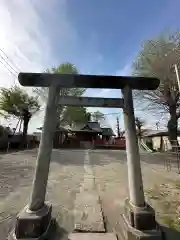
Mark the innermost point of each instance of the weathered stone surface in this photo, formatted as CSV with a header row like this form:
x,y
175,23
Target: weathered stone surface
x,y
88,214
87,208
33,224
141,218
92,236
129,233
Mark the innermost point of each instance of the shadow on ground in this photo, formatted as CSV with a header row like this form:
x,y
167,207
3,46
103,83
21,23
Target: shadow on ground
x,y
170,233
59,233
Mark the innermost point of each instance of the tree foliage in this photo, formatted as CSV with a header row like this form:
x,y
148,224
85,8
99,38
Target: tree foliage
x,y
97,116
157,58
74,115
16,102
67,115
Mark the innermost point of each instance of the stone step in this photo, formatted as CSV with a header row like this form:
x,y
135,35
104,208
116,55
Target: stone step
x,y
87,213
92,236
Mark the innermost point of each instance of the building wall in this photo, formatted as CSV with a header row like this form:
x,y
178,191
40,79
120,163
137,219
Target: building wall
x,y
59,138
162,143
86,136
156,142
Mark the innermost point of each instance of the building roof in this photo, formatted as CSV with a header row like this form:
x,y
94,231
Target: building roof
x,y
95,126
150,132
107,132
89,127
154,133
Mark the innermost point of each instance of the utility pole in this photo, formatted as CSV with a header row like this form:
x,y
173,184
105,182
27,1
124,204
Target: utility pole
x,y
118,128
157,125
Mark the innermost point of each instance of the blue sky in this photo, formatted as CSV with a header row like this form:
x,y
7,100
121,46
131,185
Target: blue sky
x,y
99,37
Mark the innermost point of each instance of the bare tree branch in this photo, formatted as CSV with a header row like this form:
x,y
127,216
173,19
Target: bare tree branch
x,y
157,58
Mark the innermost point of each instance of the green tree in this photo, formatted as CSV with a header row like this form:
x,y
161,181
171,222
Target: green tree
x,y
157,58
16,102
66,114
74,115
97,116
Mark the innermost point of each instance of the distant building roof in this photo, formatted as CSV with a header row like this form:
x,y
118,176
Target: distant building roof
x,y
107,132
95,126
150,132
154,133
88,127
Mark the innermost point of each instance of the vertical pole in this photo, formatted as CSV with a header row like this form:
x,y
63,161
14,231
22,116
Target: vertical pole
x,y
45,149
177,76
136,192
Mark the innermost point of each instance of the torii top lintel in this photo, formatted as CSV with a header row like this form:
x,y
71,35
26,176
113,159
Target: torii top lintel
x,y
87,81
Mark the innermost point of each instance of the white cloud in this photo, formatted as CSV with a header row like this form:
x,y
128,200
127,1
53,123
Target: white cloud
x,y
125,71
28,31
21,38
31,32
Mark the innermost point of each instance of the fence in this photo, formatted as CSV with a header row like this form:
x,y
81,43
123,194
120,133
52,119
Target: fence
x,y
172,156
14,143
121,142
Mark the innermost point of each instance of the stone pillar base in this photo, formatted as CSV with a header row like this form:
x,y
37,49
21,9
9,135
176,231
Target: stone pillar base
x,y
33,224
139,223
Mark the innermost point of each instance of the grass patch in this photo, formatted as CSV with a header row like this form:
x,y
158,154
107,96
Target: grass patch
x,y
171,221
165,199
177,184
166,206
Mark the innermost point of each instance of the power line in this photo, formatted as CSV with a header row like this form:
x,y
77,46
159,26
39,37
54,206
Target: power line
x,y
8,69
8,63
10,60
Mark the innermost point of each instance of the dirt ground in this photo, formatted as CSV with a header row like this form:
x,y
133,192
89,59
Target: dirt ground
x,y
16,175
162,189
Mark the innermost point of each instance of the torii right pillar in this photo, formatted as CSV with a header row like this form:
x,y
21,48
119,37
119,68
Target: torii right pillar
x,y
138,220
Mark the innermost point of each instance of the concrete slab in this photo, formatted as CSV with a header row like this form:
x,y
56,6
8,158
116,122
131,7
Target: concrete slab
x,y
87,209
92,236
88,215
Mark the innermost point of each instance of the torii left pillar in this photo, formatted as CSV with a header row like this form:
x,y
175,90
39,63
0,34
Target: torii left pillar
x,y
35,220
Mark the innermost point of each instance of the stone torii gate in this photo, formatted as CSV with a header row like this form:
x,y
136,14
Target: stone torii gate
x,y
138,220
